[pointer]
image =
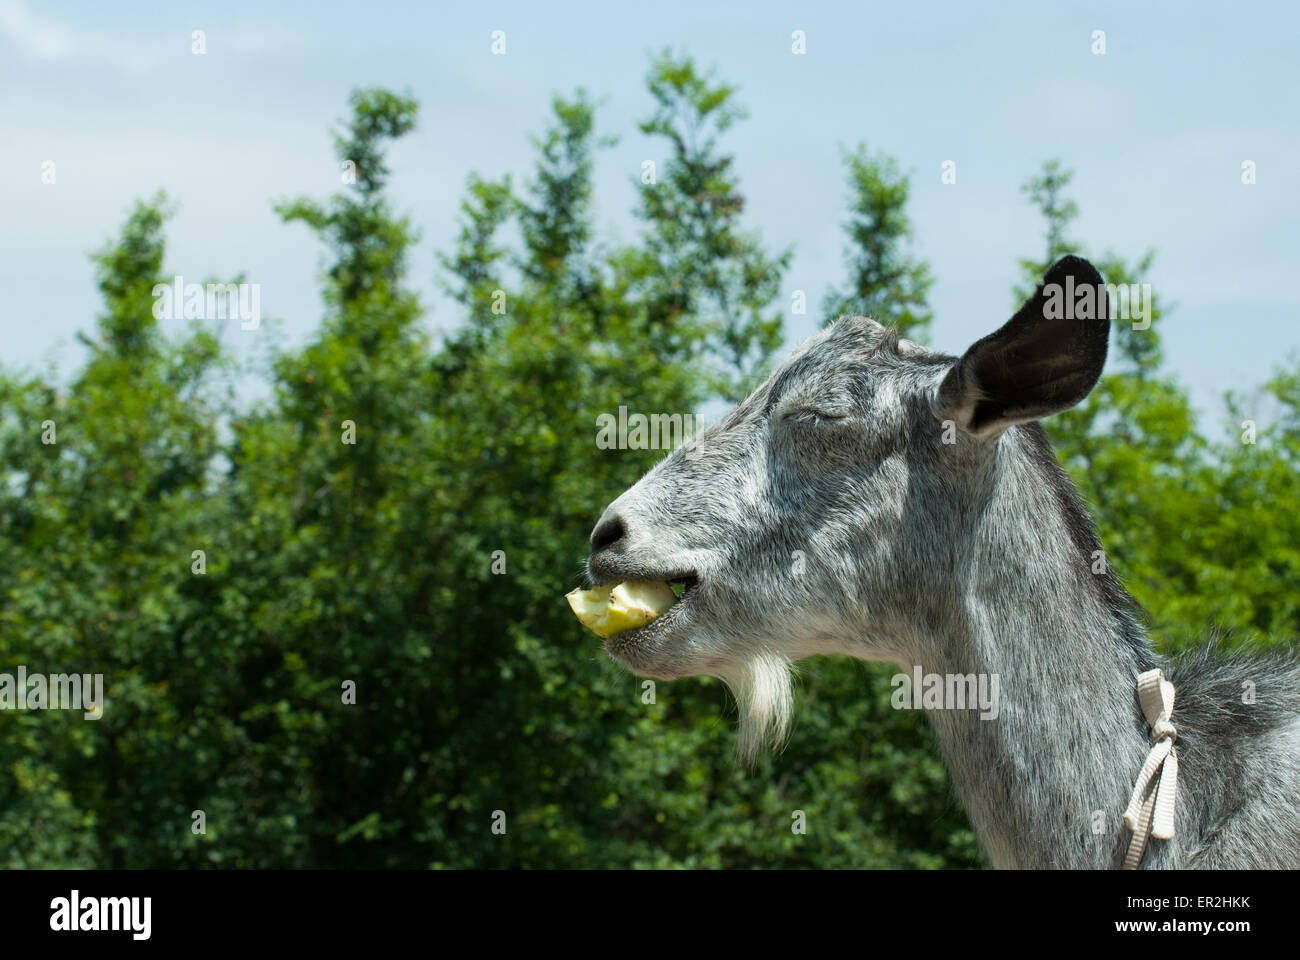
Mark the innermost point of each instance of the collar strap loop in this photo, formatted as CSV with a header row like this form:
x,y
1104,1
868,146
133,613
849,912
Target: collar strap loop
x,y
1151,807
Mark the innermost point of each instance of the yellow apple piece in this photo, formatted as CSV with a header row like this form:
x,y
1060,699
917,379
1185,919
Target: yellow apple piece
x,y
610,610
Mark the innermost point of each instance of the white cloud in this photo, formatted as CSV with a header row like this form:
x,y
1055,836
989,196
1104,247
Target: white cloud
x,y
36,37
40,39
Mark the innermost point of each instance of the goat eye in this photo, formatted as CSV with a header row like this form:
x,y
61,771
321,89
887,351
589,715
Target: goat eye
x,y
814,417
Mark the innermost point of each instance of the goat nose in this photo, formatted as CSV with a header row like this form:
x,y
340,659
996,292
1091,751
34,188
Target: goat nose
x,y
608,532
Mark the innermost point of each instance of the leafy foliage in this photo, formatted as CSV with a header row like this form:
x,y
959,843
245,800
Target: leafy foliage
x,y
887,283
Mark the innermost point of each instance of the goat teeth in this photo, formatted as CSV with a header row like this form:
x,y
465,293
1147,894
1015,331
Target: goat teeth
x,y
610,610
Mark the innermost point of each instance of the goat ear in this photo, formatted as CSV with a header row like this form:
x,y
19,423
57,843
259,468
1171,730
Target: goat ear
x,y
1043,360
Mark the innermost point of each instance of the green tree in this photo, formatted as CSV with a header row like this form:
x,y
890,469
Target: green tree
x,y
106,496
707,283
886,282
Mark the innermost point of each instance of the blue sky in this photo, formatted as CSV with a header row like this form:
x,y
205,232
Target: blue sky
x,y
1156,131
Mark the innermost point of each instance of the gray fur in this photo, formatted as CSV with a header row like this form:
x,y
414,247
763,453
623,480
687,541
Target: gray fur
x,y
965,557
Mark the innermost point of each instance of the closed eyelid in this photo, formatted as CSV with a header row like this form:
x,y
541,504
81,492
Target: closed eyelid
x,y
818,412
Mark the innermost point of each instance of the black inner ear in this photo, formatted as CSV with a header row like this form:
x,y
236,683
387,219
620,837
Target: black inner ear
x,y
1038,364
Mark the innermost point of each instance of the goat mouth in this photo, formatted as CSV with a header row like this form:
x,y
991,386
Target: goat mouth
x,y
682,583
684,586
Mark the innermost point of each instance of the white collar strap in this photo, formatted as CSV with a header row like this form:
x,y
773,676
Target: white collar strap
x,y
1151,808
